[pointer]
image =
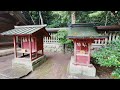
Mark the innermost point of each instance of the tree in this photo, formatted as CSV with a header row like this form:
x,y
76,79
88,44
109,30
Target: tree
x,y
31,18
40,18
64,18
73,19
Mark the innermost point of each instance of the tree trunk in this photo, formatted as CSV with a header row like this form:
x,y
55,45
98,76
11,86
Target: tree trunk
x,y
73,18
64,48
40,18
106,18
32,19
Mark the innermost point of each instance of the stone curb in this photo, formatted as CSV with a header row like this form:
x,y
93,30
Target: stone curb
x,y
6,52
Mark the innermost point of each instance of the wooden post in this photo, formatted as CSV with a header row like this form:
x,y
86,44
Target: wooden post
x,y
36,47
42,47
21,42
75,50
30,48
15,50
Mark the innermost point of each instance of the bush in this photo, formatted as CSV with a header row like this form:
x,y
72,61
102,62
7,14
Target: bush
x,y
116,74
62,35
108,56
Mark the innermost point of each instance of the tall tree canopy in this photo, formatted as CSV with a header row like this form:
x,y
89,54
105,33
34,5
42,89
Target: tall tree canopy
x,y
63,18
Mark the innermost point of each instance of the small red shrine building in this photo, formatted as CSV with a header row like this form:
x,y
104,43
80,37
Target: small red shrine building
x,y
83,35
31,40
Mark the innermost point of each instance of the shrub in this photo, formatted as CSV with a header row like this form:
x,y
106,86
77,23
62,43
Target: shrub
x,y
108,56
62,36
116,74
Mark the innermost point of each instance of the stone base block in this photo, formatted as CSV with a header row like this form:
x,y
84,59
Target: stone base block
x,y
80,69
21,67
36,63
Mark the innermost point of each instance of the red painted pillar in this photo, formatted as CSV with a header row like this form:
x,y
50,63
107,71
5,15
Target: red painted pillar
x,y
30,47
21,42
42,47
36,47
15,49
75,49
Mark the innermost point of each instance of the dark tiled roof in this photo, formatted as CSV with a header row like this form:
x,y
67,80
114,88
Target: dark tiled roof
x,y
22,31
112,27
83,30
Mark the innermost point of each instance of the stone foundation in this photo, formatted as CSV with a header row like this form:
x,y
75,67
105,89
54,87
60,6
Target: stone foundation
x,y
81,69
21,67
36,63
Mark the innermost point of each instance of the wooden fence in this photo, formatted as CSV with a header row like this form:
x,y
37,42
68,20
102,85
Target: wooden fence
x,y
53,39
112,35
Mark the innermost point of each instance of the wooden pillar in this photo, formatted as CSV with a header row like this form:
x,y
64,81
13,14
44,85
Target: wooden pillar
x,y
15,49
21,41
42,47
30,47
75,50
36,47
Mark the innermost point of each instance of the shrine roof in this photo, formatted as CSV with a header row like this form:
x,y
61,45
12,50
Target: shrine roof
x,y
23,30
83,31
86,37
108,28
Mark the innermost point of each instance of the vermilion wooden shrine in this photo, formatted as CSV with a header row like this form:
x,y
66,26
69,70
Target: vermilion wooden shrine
x,y
30,40
83,35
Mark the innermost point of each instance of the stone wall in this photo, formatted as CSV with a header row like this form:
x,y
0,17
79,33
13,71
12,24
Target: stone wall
x,y
53,47
56,47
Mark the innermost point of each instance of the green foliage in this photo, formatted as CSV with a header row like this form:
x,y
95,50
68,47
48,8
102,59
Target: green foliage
x,y
63,18
62,35
96,14
35,16
108,56
116,74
